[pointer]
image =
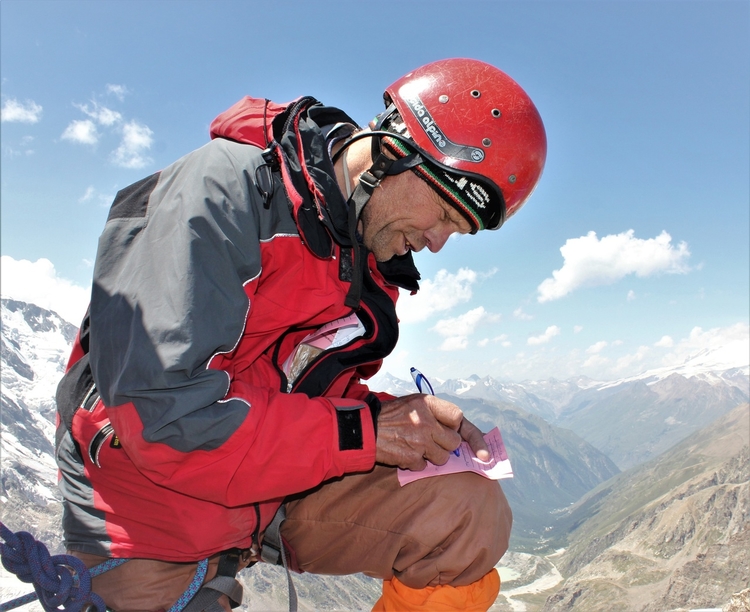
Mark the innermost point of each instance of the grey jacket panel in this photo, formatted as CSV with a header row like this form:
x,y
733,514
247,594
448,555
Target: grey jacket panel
x,y
84,526
168,293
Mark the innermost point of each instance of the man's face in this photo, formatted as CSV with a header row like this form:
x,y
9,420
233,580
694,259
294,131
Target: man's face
x,y
404,214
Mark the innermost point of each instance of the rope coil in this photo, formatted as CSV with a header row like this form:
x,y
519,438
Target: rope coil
x,y
64,580
60,580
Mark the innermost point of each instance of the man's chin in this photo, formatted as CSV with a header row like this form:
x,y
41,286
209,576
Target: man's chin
x,y
382,255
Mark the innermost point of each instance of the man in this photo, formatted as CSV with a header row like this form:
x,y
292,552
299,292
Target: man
x,y
240,297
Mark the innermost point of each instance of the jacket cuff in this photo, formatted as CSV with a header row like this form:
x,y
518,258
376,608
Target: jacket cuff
x,y
355,439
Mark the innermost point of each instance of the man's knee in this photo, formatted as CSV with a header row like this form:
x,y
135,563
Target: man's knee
x,y
494,518
468,520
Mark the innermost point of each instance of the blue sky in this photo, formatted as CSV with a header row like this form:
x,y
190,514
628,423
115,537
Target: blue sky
x,y
632,253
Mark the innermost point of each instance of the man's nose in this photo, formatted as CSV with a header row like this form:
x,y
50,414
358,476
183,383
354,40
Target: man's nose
x,y
437,237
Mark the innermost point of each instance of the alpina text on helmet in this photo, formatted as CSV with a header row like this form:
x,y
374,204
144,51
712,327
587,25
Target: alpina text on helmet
x,y
433,131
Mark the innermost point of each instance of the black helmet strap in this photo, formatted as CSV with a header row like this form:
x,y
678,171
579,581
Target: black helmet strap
x,y
382,166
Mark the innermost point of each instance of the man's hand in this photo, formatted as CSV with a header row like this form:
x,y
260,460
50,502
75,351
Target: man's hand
x,y
419,428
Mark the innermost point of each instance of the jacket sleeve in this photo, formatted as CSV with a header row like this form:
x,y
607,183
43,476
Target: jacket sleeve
x,y
176,270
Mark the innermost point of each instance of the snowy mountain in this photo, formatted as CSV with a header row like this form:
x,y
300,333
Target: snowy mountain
x,y
630,420
34,347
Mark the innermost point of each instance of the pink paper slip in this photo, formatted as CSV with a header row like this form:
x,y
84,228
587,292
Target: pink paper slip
x,y
496,468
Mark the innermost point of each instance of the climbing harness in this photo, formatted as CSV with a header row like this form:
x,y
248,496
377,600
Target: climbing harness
x,y
64,580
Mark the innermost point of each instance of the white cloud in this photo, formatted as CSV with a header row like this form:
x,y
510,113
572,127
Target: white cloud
x,y
631,295
38,283
92,195
83,131
136,140
577,329
101,114
90,191
483,342
595,361
457,330
503,340
518,313
15,111
454,343
438,295
597,347
665,342
118,91
721,347
24,145
549,333
623,363
589,261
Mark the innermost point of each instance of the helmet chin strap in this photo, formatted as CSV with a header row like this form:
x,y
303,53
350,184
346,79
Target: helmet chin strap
x,y
369,180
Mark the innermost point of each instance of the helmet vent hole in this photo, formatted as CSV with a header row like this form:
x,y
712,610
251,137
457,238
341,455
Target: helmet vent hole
x,y
496,113
443,99
512,178
486,142
475,93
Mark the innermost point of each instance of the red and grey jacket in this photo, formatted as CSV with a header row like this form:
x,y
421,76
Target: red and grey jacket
x,y
179,432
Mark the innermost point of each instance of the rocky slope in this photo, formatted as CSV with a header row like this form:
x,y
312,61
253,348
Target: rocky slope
x,y
670,534
35,347
552,468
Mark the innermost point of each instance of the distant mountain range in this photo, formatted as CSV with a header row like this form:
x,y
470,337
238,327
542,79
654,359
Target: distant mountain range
x,y
565,439
630,420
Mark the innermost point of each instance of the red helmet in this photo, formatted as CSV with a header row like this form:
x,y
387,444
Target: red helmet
x,y
482,136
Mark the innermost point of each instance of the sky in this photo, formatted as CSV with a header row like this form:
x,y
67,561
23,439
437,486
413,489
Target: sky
x,y
633,252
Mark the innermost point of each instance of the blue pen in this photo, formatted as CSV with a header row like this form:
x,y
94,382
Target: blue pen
x,y
424,386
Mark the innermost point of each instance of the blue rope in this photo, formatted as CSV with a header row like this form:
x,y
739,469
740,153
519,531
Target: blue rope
x,y
106,566
62,580
195,585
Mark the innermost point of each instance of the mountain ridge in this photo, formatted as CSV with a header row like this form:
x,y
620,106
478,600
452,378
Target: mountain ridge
x,y
631,420
636,541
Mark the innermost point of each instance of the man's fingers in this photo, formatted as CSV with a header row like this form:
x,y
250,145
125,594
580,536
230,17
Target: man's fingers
x,y
415,428
445,412
438,456
417,464
473,435
445,439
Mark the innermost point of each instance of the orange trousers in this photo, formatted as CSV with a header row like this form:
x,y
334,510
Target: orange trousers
x,y
475,597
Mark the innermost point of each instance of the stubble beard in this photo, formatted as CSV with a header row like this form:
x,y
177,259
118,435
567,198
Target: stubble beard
x,y
377,241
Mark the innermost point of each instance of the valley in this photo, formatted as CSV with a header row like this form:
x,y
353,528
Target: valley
x,y
627,495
